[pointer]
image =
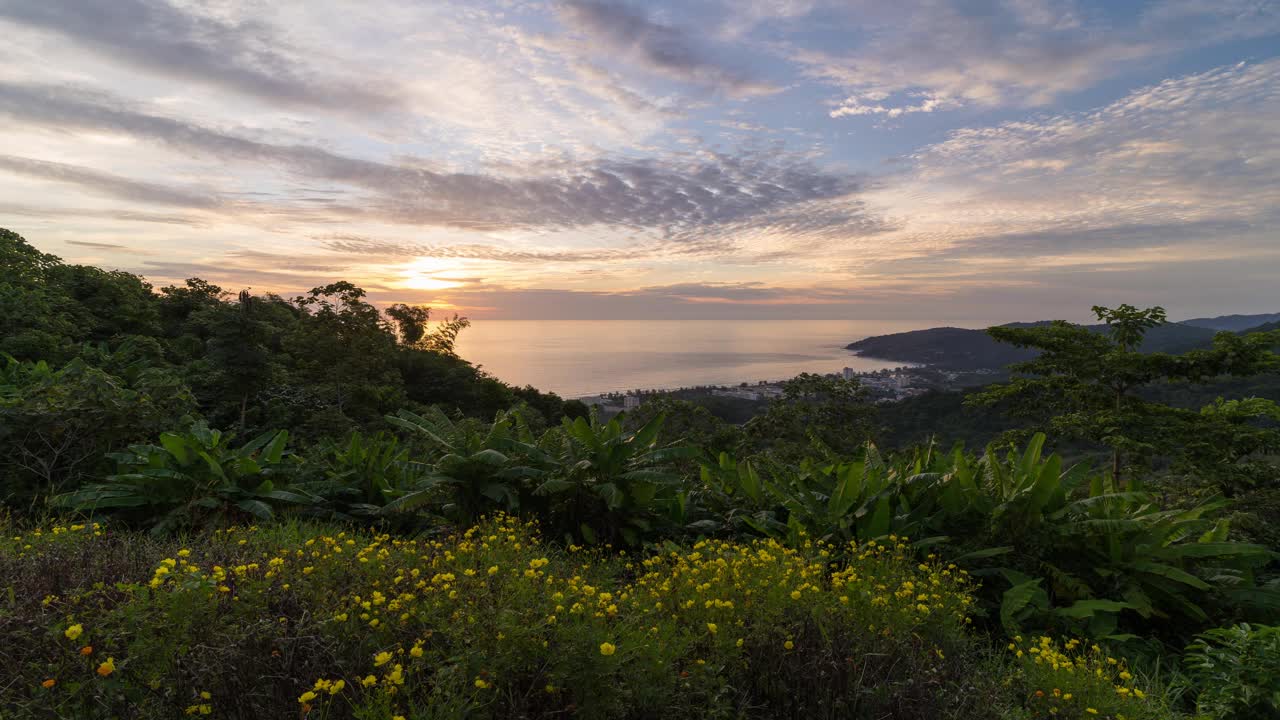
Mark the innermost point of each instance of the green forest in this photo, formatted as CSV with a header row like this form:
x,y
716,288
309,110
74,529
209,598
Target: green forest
x,y
223,504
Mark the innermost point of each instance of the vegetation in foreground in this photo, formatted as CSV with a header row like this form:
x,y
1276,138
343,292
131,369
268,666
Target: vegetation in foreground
x,y
1008,582
315,621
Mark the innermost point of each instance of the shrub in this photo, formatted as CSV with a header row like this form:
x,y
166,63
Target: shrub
x,y
1235,672
291,619
1072,679
189,479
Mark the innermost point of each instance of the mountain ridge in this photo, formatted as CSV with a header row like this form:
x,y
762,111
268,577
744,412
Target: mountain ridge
x,y
954,348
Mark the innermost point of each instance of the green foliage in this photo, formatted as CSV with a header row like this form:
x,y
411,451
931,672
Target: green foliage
x,y
56,425
610,485
490,622
470,470
323,365
1059,547
817,416
1087,385
191,479
361,475
1235,672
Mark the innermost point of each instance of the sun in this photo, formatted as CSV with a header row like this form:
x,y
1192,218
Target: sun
x,y
431,273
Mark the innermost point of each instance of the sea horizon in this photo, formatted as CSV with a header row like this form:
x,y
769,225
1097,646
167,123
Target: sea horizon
x,y
583,358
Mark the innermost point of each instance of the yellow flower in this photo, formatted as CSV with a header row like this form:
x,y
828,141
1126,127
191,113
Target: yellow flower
x,y
397,717
369,681
416,651
1091,711
204,695
337,686
107,667
381,658
482,683
608,649
74,631
795,594
493,569
789,645
306,697
711,628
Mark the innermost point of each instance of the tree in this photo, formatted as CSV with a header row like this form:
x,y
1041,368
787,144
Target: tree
x,y
238,353
411,320
1087,385
816,415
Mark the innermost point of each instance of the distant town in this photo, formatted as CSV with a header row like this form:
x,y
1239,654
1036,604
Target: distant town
x,y
885,386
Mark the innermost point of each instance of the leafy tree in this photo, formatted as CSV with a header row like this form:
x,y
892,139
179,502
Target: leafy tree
x,y
57,424
237,352
36,319
1087,385
816,416
343,347
411,321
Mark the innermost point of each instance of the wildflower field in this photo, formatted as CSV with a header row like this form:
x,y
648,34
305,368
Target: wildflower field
x,y
302,620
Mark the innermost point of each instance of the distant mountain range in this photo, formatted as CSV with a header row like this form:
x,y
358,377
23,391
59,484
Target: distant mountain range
x,y
1234,323
952,348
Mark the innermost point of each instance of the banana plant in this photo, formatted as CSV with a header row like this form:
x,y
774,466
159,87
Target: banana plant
x,y
363,474
609,484
472,469
193,478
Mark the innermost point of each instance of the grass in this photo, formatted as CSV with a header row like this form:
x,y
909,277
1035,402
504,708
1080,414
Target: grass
x,y
315,621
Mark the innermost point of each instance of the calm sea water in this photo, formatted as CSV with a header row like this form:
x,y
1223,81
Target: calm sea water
x,y
585,357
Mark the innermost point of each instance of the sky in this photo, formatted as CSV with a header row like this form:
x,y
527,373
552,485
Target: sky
x,y
962,161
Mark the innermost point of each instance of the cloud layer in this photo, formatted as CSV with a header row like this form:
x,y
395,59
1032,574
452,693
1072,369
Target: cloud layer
x,y
791,158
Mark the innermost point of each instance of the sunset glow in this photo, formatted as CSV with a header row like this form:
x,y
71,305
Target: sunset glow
x,y
606,159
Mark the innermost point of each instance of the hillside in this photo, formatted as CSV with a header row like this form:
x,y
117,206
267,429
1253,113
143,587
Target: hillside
x,y
1265,327
954,348
1234,323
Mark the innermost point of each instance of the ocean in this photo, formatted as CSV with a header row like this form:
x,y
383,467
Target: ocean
x,y
577,358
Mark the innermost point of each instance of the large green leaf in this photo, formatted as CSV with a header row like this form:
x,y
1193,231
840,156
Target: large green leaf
x,y
1014,600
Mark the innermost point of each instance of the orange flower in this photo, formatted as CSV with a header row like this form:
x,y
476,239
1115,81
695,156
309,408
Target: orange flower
x,y
86,650
107,667
48,683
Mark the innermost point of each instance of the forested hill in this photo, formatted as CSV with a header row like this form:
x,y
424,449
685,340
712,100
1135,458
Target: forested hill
x,y
1235,323
93,359
954,348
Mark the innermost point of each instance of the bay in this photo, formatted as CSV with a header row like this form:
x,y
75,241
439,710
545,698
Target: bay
x,y
576,358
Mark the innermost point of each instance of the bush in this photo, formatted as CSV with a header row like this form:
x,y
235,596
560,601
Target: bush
x,y
1235,672
271,622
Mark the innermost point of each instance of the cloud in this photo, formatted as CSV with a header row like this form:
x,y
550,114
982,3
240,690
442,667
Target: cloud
x,y
108,184
924,55
676,194
1181,165
616,28
97,245
952,54
855,105
156,36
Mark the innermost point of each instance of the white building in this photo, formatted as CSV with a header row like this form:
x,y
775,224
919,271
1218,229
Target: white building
x,y
631,402
847,373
